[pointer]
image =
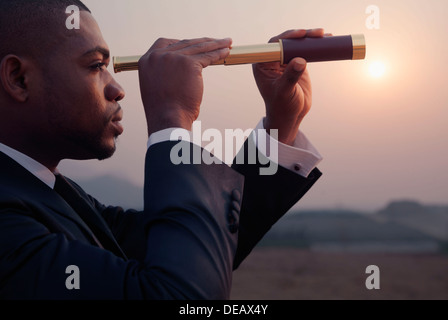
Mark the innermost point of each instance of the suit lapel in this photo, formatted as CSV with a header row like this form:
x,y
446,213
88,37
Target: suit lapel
x,y
93,219
23,183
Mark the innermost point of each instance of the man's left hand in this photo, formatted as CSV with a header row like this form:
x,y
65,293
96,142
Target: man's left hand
x,y
286,90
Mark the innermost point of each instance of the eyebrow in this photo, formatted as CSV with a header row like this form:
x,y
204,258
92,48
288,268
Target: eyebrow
x,y
105,52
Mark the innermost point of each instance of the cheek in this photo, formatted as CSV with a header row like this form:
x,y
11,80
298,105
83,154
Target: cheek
x,y
88,103
76,99
76,112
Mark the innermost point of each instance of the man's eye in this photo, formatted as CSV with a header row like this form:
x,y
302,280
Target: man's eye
x,y
98,67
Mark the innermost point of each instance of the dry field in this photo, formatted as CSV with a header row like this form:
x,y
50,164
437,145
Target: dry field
x,y
295,274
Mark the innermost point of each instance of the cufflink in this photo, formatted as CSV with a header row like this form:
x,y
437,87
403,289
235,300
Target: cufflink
x,y
297,166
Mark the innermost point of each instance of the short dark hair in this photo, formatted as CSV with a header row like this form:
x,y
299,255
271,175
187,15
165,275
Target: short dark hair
x,y
24,24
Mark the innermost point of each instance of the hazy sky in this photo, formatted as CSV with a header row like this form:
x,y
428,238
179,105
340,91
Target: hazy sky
x,y
382,138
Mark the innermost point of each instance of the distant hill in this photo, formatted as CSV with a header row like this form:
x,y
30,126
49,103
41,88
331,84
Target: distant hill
x,y
400,227
429,219
112,190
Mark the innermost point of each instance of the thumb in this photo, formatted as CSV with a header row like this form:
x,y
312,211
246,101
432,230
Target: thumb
x,y
293,73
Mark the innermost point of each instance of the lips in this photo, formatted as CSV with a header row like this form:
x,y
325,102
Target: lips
x,y
118,127
116,121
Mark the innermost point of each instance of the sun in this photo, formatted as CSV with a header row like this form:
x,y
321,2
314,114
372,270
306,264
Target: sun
x,y
377,69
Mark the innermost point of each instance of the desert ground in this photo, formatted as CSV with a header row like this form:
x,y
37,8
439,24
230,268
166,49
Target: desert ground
x,y
274,273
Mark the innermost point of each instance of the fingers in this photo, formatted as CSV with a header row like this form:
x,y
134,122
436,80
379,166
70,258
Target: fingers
x,y
163,43
203,50
299,33
205,46
315,33
191,46
208,58
179,45
292,74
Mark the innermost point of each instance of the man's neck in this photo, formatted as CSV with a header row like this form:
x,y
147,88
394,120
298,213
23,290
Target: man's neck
x,y
34,152
40,171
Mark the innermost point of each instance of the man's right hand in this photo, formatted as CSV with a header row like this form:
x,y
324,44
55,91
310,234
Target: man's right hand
x,y
171,82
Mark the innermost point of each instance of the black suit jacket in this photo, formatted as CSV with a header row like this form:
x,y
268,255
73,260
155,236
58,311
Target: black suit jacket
x,y
199,223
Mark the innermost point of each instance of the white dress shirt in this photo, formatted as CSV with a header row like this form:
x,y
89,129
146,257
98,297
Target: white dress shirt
x,y
37,169
302,158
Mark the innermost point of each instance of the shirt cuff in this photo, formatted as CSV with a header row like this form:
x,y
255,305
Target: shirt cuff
x,y
170,134
301,158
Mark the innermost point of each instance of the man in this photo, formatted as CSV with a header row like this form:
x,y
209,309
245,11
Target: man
x,y
58,101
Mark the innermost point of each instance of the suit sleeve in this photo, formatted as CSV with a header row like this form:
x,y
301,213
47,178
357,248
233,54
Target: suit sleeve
x,y
189,247
266,197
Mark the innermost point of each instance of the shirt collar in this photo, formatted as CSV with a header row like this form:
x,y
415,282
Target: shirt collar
x,y
37,169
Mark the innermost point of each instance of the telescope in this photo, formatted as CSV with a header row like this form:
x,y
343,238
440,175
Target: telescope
x,y
348,47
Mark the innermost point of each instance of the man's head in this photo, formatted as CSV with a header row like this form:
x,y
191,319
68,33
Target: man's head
x,y
56,97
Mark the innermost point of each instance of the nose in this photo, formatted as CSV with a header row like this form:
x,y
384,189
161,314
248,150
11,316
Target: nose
x,y
114,92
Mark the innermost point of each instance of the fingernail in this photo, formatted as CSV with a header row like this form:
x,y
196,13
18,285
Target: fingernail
x,y
299,65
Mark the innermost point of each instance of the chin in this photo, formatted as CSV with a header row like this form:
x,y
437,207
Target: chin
x,y
106,152
91,147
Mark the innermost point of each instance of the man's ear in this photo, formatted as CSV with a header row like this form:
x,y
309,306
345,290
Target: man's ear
x,y
13,77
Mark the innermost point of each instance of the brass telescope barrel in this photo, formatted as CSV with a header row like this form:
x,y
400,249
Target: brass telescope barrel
x,y
350,47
